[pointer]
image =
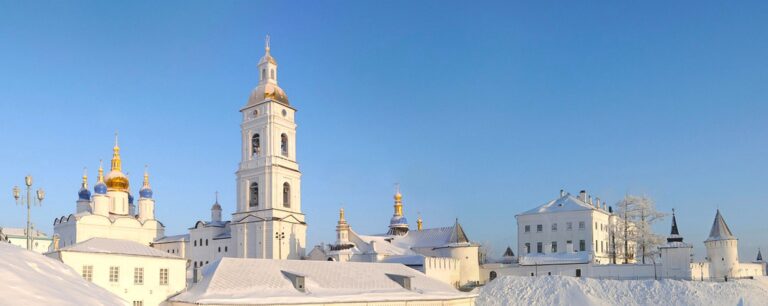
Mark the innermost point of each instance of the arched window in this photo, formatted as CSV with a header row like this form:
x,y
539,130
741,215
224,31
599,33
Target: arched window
x,y
226,249
493,275
254,195
272,74
284,144
286,195
255,144
263,74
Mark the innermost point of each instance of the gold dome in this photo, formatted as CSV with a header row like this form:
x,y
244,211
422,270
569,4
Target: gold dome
x,y
268,91
116,180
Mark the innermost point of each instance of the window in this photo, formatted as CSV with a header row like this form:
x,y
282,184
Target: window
x,y
554,227
569,226
138,303
164,276
254,195
582,245
582,225
284,144
527,248
138,276
539,247
554,246
255,144
286,195
88,273
219,249
114,274
595,225
578,272
206,242
569,244
225,249
272,73
492,276
539,228
527,228
596,246
194,243
263,74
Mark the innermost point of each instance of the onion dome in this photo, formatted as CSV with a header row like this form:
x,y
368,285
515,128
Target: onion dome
x,y
116,180
100,187
398,220
146,191
84,193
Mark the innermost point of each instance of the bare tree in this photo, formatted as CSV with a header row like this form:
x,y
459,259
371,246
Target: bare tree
x,y
637,214
485,248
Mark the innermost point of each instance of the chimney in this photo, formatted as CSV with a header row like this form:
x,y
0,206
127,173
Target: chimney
x,y
604,206
562,193
583,195
598,202
590,200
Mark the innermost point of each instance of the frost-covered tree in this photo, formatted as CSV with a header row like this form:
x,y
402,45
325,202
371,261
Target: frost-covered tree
x,y
633,231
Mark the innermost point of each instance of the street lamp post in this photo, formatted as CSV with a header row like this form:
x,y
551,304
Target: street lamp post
x,y
280,236
30,201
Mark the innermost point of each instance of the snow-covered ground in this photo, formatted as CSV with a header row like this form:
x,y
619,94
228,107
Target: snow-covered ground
x,y
30,279
563,290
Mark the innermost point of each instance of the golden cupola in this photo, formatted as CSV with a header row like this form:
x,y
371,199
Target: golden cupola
x,y
116,180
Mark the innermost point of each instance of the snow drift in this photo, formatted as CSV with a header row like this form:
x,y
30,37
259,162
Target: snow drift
x,y
33,279
564,290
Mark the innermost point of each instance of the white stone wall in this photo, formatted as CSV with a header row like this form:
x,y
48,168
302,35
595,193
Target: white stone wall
x,y
73,229
39,245
447,270
723,258
150,292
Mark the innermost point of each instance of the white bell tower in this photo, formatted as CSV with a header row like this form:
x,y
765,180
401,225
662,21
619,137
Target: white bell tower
x,y
268,222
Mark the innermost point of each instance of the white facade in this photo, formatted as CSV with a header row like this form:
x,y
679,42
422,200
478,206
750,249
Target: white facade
x,y
268,222
568,224
723,254
134,272
41,243
108,211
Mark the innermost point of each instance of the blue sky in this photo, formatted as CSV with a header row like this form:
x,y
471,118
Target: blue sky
x,y
479,111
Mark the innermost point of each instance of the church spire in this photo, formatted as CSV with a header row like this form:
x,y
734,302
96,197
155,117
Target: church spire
x,y
398,201
116,163
674,234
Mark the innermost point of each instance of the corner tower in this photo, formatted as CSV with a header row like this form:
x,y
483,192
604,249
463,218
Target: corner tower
x,y
268,222
722,250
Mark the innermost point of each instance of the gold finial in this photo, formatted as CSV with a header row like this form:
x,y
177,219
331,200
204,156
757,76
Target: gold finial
x,y
101,171
398,201
116,164
217,197
419,223
85,177
266,44
341,214
146,176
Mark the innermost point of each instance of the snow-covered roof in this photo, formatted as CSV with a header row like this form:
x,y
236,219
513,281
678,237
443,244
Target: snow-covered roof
x,y
174,238
566,202
720,230
555,258
116,246
439,237
21,232
408,260
33,279
263,281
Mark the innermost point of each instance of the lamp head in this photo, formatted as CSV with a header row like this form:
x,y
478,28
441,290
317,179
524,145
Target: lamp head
x,y
40,194
16,192
28,180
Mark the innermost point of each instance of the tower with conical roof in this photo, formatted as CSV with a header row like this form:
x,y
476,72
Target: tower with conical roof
x,y
722,250
268,221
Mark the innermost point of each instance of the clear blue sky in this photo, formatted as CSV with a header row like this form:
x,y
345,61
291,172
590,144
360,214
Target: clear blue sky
x,y
480,111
